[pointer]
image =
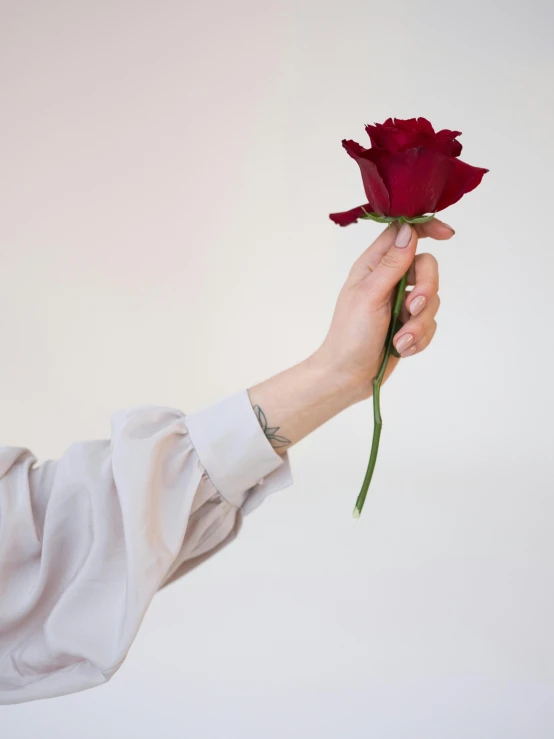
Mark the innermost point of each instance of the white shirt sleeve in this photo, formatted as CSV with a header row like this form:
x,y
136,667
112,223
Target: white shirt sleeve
x,y
88,539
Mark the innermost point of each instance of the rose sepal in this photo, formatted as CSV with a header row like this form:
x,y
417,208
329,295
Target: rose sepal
x,y
380,218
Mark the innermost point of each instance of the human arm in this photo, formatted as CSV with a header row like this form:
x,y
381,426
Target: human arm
x,y
339,373
88,539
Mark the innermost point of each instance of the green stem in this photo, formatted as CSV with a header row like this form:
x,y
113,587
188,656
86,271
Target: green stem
x,y
377,420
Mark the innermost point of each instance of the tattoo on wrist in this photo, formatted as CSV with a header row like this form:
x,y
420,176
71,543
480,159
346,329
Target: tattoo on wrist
x,y
270,431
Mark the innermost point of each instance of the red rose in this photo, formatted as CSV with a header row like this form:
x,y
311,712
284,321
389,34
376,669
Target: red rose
x,y
410,170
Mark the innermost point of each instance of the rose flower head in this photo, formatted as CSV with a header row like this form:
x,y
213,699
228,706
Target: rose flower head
x,y
410,170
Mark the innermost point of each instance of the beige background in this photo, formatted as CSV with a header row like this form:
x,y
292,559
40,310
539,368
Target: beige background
x,y
166,172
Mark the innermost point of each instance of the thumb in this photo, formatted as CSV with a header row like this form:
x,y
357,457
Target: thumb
x,y
393,265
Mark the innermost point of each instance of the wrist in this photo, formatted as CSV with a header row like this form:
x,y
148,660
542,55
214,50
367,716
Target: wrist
x,y
298,400
335,383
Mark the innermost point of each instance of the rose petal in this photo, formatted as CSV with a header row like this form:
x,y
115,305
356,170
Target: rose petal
x,y
353,148
450,134
415,179
463,178
388,137
350,216
414,125
374,187
396,139
446,142
399,135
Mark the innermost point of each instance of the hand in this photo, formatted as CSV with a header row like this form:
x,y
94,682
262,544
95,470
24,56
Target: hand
x,y
354,346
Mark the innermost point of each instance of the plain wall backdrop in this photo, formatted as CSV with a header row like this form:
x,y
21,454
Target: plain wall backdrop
x,y
166,174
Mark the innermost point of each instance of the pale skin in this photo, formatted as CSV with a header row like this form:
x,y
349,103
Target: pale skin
x,y
295,402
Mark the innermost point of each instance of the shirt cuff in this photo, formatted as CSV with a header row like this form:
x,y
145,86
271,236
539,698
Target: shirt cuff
x,y
235,452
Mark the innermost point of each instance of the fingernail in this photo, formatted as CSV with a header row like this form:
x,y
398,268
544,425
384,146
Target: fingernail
x,y
408,352
404,342
404,236
417,305
448,227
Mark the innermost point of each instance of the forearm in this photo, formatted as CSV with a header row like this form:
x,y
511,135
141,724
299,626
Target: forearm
x,y
293,403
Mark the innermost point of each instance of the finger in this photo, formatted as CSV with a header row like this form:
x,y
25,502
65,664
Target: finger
x,y
392,266
435,229
419,266
424,275
427,313
422,344
414,337
370,258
